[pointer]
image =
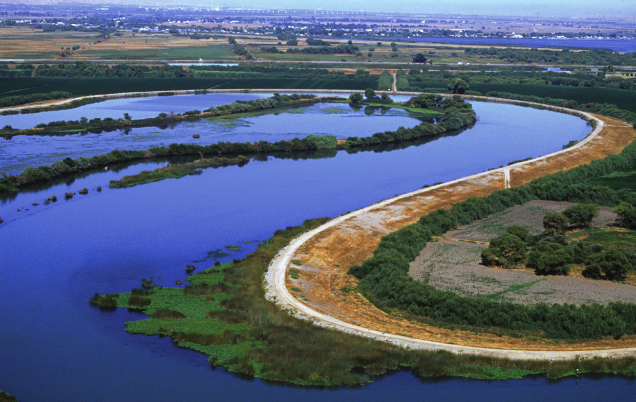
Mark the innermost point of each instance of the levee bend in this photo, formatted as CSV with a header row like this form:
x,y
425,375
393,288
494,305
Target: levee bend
x,y
326,253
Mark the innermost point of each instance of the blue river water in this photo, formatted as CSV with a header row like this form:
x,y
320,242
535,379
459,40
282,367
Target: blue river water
x,y
340,120
623,46
54,346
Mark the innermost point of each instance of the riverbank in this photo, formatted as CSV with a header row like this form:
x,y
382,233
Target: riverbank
x,y
327,299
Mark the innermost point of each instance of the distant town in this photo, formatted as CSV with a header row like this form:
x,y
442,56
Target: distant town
x,y
303,22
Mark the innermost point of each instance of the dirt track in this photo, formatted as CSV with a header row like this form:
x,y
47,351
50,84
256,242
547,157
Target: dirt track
x,y
327,252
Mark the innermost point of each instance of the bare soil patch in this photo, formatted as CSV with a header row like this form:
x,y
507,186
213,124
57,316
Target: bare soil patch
x,y
455,266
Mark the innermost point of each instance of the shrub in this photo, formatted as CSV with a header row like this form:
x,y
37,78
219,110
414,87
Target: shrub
x,y
506,250
165,313
139,301
610,265
581,215
627,215
554,224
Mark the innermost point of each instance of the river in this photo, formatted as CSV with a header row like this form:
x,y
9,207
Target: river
x,y
56,347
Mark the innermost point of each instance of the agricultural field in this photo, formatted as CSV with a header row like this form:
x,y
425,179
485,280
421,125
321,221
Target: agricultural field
x,y
103,85
454,262
159,46
27,43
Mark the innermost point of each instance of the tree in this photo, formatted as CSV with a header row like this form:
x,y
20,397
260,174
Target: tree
x,y
554,224
369,93
506,250
419,58
519,231
355,98
627,215
611,265
581,215
458,86
554,263
127,117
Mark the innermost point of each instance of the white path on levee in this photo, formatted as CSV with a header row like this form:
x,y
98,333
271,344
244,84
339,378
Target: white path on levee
x,y
277,291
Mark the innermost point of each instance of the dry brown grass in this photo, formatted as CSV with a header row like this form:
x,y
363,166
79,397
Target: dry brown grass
x,y
24,42
328,256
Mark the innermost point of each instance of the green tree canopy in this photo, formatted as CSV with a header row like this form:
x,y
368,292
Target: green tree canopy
x,y
355,98
419,58
458,86
627,215
581,215
554,224
611,265
369,93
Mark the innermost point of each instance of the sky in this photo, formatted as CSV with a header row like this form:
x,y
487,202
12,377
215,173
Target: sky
x,y
545,8
624,9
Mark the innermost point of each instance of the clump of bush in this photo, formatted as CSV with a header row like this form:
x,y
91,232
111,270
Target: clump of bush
x,y
138,301
106,302
166,313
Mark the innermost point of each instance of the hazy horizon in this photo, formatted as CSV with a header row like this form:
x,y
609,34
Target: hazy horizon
x,y
537,8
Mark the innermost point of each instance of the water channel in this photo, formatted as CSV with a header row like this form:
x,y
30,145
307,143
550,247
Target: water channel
x,y
54,346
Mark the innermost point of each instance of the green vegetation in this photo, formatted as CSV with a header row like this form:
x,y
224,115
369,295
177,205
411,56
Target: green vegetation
x,y
176,171
385,82
604,109
38,97
551,254
224,314
565,94
384,277
621,179
4,397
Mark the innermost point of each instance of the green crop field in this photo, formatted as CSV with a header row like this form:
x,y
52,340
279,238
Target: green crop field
x,y
291,83
94,86
624,99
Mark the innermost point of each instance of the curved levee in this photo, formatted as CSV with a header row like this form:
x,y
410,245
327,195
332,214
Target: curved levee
x,y
351,238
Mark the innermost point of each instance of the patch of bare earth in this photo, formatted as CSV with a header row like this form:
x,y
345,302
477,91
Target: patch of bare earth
x,y
328,255
455,266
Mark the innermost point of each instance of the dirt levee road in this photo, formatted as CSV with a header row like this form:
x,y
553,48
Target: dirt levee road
x,y
325,255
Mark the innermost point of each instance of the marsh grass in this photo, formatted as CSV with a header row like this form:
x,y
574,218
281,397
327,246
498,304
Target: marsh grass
x,y
175,172
4,397
293,273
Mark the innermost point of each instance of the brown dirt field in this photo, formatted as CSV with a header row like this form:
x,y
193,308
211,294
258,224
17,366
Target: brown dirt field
x,y
455,266
21,42
328,255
